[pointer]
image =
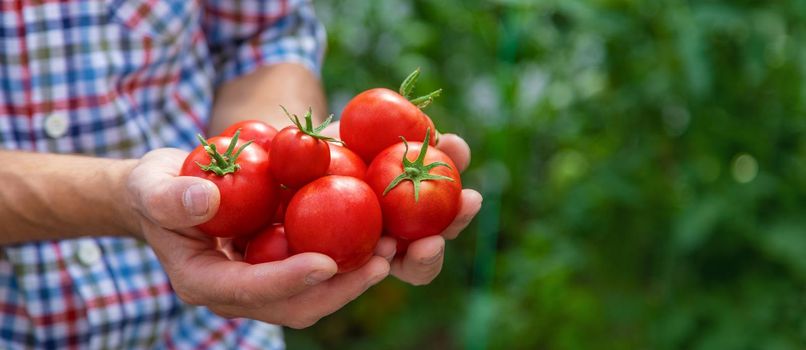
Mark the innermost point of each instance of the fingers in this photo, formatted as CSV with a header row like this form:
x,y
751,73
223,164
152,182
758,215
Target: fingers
x,y
226,246
308,307
471,204
287,277
171,201
210,279
347,286
456,148
386,248
422,262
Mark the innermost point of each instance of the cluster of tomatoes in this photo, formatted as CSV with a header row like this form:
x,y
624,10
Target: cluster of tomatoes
x,y
296,190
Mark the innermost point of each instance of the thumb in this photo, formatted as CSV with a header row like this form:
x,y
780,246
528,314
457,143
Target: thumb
x,y
180,202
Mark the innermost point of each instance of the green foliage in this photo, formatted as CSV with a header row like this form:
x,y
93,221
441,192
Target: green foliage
x,y
643,165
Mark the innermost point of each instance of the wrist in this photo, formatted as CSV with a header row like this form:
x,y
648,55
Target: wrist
x,y
126,217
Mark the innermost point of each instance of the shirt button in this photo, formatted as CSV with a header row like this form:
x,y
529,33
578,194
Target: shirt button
x,y
88,253
56,125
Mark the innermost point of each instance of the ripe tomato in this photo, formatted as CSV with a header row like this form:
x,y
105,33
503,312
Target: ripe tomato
x,y
239,243
248,193
338,216
419,193
255,130
285,195
377,118
299,153
402,247
268,245
345,162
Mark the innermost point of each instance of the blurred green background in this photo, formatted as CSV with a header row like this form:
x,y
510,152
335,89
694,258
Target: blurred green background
x,y
643,165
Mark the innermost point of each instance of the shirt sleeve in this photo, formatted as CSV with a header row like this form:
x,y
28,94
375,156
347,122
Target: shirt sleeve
x,y
244,35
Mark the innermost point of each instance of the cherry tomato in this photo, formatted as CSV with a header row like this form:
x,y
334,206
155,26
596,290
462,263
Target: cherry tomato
x,y
419,193
247,191
335,215
402,247
239,243
377,118
299,153
255,130
268,245
345,162
285,196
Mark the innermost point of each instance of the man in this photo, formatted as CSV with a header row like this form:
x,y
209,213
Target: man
x,y
99,249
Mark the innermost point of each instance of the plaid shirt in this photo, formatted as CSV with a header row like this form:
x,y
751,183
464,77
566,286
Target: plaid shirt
x,y
117,78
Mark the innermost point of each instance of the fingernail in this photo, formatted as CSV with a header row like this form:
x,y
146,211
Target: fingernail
x,y
317,277
196,199
433,259
391,256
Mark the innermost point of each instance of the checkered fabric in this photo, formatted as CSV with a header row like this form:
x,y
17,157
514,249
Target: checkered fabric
x,y
117,78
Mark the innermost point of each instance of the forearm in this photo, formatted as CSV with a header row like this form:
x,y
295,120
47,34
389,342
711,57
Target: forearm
x,y
48,196
260,94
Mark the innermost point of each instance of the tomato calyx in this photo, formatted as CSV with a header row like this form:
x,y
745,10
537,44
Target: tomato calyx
x,y
407,87
309,129
222,164
416,171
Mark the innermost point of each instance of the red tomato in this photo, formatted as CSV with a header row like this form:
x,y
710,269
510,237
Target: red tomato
x,y
279,215
268,245
345,162
402,247
419,194
299,153
254,130
338,216
285,196
239,243
248,193
377,118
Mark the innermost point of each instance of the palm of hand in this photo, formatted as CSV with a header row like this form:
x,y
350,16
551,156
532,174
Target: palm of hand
x,y
295,292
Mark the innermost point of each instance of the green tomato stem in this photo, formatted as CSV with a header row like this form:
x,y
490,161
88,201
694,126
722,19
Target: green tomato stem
x,y
416,171
407,87
309,129
222,164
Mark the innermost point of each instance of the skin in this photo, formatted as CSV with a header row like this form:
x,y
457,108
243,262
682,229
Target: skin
x,y
248,193
53,196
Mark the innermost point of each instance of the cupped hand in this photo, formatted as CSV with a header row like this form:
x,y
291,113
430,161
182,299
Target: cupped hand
x,y
294,292
424,257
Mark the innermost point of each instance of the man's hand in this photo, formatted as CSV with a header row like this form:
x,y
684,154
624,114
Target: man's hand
x,y
423,260
295,292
